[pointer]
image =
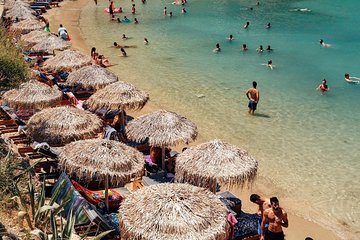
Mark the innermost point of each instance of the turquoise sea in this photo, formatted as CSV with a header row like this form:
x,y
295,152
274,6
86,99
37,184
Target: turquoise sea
x,y
307,144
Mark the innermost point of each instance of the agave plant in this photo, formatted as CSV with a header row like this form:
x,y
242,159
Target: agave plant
x,y
45,214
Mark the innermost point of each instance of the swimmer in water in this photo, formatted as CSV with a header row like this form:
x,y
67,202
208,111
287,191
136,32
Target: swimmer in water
x,y
260,49
268,25
146,42
351,79
268,48
136,21
165,11
123,52
269,64
246,25
124,37
322,43
231,37
217,48
183,10
323,87
300,10
244,48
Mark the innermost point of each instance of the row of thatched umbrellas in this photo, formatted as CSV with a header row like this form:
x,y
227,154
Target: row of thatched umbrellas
x,y
170,211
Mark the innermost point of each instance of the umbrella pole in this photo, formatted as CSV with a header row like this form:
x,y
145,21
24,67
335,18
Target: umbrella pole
x,y
214,186
107,192
163,157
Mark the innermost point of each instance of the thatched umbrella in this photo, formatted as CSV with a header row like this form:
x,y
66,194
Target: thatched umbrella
x,y
67,60
104,160
21,10
33,95
50,44
118,96
27,26
9,4
62,125
215,161
173,211
162,128
35,37
92,76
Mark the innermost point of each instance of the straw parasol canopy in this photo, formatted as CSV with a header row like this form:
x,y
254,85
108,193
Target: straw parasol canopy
x,y
96,158
27,26
62,125
172,211
33,95
50,44
9,4
118,95
215,161
92,76
162,128
67,60
35,37
20,10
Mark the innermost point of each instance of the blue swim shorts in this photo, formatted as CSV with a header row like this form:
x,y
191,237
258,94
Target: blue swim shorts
x,y
252,105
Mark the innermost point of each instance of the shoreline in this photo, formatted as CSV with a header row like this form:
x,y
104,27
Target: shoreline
x,y
69,15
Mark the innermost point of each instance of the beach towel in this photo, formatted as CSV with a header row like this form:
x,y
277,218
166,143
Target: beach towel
x,y
247,225
98,197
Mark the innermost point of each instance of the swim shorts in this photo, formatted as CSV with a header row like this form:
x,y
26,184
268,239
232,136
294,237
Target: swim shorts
x,y
274,235
252,105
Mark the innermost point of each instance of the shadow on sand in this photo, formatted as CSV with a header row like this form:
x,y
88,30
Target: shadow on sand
x,y
261,115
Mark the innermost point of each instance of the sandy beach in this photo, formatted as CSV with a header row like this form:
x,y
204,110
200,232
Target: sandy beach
x,y
69,14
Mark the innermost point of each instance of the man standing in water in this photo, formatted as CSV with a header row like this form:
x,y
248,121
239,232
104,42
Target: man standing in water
x,y
253,95
277,218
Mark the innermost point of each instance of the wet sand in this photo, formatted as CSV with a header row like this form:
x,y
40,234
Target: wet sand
x,y
69,14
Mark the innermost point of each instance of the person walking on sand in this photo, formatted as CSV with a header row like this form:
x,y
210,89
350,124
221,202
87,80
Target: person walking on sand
x,y
254,96
276,217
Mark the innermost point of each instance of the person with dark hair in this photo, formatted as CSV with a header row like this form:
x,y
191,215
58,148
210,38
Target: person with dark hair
x,y
93,51
323,87
254,96
309,238
263,203
276,217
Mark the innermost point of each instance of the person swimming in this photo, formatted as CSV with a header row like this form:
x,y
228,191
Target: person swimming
x,y
323,87
231,37
349,79
299,10
183,10
268,48
146,42
136,21
244,47
217,48
268,25
124,37
322,43
269,64
246,25
124,54
260,49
